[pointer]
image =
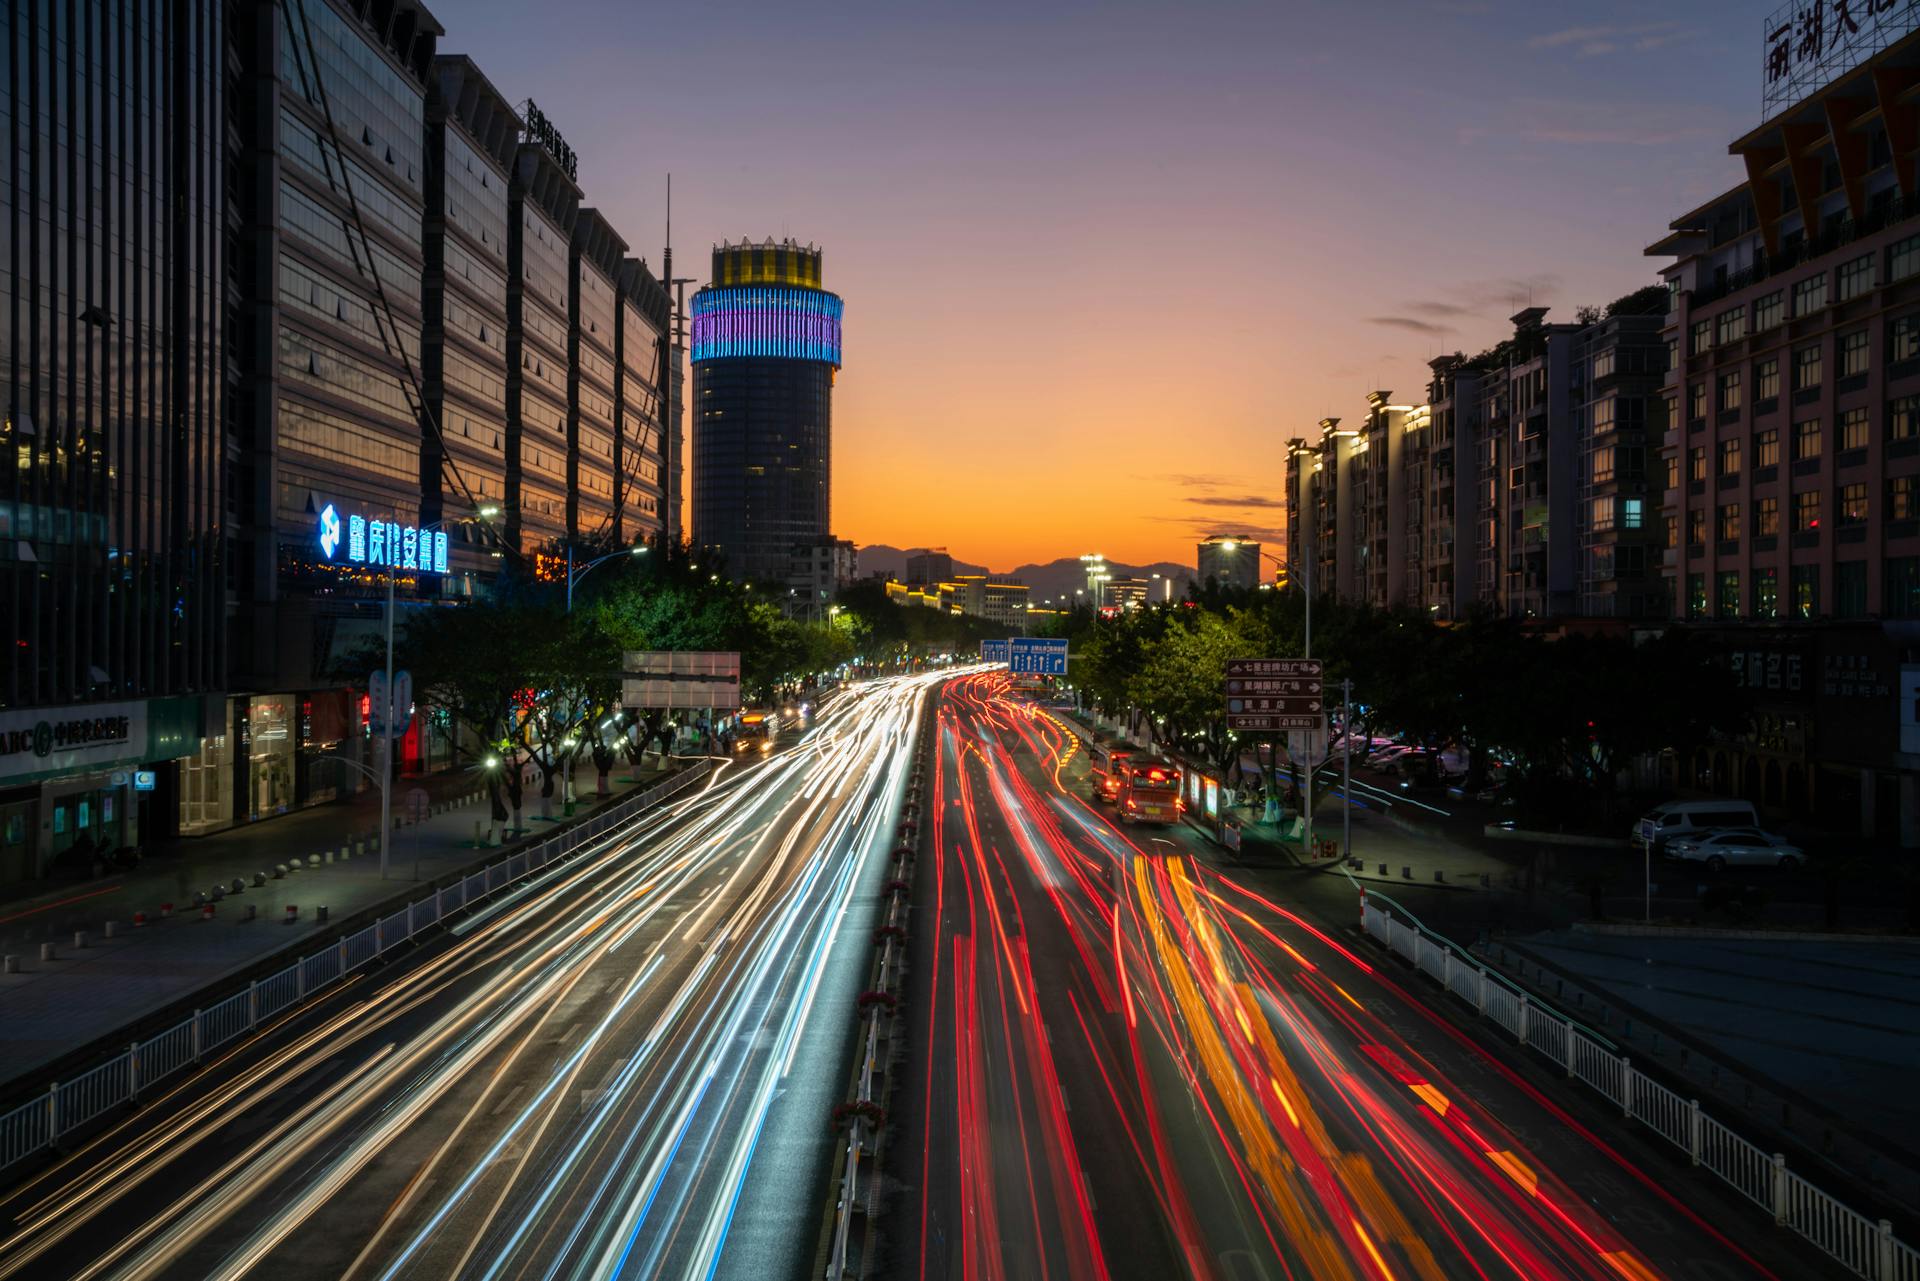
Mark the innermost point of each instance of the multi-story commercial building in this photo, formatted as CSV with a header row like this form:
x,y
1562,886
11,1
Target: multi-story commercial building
x,y
115,492
292,293
929,565
641,500
817,572
1231,560
766,346
1619,367
997,598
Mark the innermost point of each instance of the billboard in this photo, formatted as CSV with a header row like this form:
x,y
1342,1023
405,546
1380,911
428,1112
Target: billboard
x,y
673,679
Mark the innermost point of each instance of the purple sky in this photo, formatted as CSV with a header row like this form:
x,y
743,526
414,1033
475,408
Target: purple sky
x,y
1100,263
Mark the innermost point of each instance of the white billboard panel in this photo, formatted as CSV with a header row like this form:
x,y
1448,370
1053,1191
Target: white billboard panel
x,y
670,679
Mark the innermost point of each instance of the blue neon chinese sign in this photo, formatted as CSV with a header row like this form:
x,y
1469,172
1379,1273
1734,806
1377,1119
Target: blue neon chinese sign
x,y
359,541
760,320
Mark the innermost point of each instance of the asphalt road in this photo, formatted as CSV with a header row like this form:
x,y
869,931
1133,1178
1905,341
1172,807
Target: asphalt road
x,y
1135,1061
621,1069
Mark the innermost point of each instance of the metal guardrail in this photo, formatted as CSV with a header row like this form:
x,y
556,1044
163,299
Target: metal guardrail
x,y
1865,1247
41,1123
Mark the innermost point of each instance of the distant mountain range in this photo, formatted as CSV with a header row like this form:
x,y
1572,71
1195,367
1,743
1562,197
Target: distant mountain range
x,y
1054,579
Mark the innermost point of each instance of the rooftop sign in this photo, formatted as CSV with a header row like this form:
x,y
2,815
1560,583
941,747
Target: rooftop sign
x,y
1810,43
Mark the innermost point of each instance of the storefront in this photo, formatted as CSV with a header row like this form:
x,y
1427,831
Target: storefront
x,y
67,779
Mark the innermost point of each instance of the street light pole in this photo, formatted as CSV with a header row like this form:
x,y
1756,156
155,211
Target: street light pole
x,y
567,780
386,732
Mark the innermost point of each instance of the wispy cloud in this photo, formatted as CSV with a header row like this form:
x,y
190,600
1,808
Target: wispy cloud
x,y
1189,480
1410,324
1236,500
1597,41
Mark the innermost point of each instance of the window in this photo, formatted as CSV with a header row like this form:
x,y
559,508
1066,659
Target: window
x,y
1903,418
1730,326
1671,539
1806,439
1850,589
1903,338
1632,512
1766,517
1727,594
1766,593
1600,515
1697,463
1856,277
1729,523
1806,367
1697,401
1903,498
1696,526
1768,312
1673,472
1853,429
1806,591
1902,596
1700,337
1730,390
1810,295
1853,504
1730,457
1806,510
1696,595
1853,353
1766,448
1603,465
1903,259
1766,379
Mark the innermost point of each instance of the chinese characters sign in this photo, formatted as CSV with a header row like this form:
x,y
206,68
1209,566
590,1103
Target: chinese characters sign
x,y
360,541
1811,42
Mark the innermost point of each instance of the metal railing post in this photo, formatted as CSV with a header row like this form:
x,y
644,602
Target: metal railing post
x,y
300,980
253,1003
1525,1007
1566,1029
1780,1214
198,1045
1693,1130
1885,1251
53,1114
1626,1087
1482,992
133,1070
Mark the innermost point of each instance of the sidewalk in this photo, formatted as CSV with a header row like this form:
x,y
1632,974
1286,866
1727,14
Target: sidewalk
x,y
50,1009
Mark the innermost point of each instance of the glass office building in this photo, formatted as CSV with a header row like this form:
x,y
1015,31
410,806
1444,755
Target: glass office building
x,y
766,345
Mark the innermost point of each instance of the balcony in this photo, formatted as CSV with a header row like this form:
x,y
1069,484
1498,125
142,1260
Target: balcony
x,y
1899,209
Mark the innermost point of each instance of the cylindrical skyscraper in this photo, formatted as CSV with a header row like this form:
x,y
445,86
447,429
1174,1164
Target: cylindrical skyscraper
x,y
766,343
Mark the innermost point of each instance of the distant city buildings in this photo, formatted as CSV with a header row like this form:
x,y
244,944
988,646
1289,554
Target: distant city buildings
x,y
817,570
998,598
929,565
766,346
1231,560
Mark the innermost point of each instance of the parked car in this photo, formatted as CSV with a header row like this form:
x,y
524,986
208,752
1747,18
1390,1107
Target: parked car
x,y
1736,847
1683,819
1386,756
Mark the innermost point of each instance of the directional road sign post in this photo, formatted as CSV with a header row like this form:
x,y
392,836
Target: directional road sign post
x,y
1274,694
993,651
1037,656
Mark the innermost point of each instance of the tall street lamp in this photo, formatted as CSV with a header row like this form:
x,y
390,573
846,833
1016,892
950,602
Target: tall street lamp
x,y
574,576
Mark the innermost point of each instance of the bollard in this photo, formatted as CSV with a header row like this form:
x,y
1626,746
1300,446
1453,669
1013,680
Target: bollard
x,y
79,939
166,909
293,914
294,863
238,887
10,965
1383,869
46,951
1439,876
479,834
359,849
346,852
139,919
259,879
253,911
206,912
1406,873
1486,881
219,892
279,871
319,913
329,856
107,929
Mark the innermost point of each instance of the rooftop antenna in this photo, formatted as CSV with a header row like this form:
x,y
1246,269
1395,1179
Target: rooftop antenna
x,y
666,260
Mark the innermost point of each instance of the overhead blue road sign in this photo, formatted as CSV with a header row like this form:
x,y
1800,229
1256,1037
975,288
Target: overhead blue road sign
x,y
1037,656
993,651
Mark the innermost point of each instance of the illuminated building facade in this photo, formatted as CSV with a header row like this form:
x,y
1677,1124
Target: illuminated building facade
x,y
766,345
1231,560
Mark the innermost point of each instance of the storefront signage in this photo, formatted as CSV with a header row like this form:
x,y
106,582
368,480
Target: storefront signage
x,y
358,541
541,130
143,780
56,740
1808,43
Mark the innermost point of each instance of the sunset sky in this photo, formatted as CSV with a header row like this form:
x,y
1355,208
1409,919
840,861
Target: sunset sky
x,y
1100,262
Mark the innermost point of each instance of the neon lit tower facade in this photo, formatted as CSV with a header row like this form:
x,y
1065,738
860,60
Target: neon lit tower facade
x,y
766,346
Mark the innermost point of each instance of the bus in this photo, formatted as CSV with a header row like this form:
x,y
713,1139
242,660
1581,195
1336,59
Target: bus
x,y
757,731
1149,790
1106,757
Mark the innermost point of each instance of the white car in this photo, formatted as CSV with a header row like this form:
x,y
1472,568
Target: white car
x,y
1736,847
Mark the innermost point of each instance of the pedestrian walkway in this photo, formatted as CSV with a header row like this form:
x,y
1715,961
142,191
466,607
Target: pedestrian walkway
x,y
53,1007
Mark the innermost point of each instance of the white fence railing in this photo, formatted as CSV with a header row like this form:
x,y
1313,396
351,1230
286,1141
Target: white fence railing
x,y
1867,1248
67,1105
